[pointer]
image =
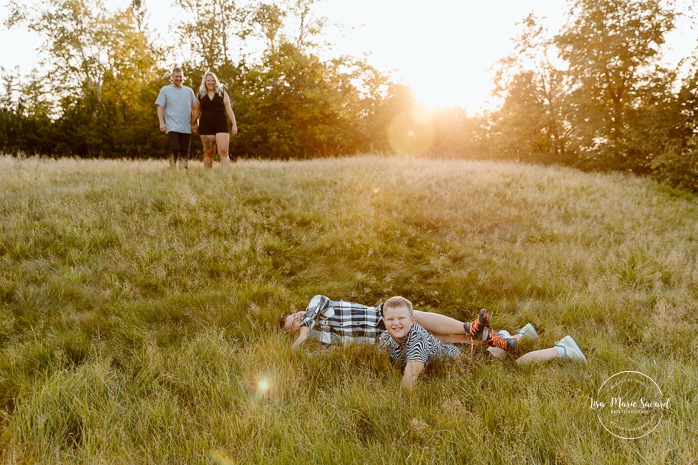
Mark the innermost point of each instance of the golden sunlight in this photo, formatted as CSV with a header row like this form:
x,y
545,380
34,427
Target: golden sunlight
x,y
444,50
219,458
412,132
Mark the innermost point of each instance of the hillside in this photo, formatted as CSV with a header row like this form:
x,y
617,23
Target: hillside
x,y
138,309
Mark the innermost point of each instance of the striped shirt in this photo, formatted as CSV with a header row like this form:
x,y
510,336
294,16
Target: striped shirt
x,y
418,346
339,322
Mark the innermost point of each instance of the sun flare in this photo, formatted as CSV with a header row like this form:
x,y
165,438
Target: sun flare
x,y
444,50
263,385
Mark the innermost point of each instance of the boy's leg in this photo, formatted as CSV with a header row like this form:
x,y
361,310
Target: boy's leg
x,y
565,349
542,355
442,326
436,323
527,331
458,339
496,352
502,340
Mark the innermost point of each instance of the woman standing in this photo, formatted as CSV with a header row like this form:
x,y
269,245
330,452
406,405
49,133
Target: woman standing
x,y
211,110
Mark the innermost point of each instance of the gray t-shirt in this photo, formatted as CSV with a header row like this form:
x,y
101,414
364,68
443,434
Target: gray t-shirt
x,y
177,102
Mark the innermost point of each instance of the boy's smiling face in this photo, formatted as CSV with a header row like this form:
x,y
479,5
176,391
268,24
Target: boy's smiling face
x,y
398,321
293,321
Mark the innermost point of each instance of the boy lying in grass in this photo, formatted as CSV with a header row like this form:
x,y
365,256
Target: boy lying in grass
x,y
338,322
411,346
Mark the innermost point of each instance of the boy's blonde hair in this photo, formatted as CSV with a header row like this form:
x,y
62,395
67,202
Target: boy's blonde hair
x,y
397,302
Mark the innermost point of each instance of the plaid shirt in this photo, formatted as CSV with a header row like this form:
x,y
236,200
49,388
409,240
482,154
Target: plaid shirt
x,y
339,322
418,346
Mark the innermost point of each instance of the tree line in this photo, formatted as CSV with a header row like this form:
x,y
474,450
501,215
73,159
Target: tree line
x,y
596,95
593,95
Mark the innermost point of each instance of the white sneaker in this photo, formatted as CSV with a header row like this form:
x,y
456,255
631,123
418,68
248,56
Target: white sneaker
x,y
568,349
528,331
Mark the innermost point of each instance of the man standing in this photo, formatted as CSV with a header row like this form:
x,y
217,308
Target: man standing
x,y
176,104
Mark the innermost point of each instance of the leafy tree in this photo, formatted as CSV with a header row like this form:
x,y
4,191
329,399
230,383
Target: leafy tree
x,y
611,49
394,115
456,134
287,21
77,42
99,63
521,128
267,23
532,123
105,74
211,29
309,27
25,123
288,101
220,30
295,105
676,125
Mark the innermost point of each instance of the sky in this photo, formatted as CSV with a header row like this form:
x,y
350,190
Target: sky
x,y
445,50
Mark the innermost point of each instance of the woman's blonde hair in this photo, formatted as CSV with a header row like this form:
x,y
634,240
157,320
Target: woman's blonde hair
x,y
202,89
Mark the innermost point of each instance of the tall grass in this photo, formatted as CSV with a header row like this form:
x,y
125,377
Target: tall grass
x,y
137,310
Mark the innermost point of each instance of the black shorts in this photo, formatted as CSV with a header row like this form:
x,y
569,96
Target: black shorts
x,y
212,128
179,142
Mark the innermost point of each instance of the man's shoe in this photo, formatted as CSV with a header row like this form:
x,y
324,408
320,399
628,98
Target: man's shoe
x,y
568,349
173,162
528,331
184,163
499,341
476,329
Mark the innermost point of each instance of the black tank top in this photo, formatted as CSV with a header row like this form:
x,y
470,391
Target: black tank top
x,y
213,119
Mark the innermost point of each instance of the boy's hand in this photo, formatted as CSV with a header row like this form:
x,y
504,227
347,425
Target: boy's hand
x,y
412,372
305,331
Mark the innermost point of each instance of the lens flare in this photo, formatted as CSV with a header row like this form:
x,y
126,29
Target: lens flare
x,y
263,385
422,115
411,132
219,458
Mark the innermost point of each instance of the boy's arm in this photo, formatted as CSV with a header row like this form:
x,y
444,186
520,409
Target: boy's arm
x,y
305,331
412,372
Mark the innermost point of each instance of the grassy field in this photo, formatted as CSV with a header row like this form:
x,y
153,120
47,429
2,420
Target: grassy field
x,y
138,309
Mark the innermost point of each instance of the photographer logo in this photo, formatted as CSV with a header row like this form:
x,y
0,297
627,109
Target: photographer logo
x,y
630,405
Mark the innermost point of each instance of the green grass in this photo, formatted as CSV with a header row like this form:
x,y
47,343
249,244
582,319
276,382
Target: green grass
x,y
138,309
